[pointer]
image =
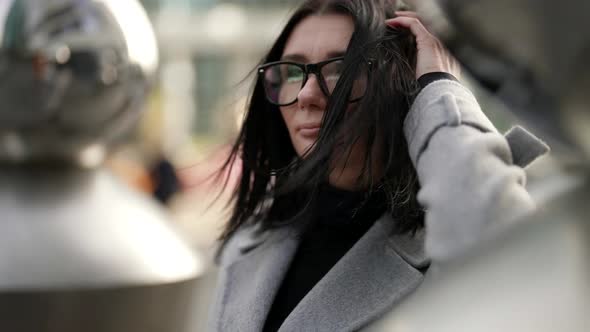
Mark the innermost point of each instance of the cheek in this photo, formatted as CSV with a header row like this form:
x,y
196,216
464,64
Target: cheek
x,y
299,143
288,114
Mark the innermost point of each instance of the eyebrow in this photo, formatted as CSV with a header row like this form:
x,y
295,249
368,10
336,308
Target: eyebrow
x,y
297,57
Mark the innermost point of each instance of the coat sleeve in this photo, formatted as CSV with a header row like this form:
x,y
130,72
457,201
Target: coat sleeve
x,y
469,179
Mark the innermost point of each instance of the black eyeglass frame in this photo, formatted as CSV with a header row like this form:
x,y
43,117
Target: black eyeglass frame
x,y
307,69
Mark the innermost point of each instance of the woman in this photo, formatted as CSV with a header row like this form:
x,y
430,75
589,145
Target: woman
x,y
354,104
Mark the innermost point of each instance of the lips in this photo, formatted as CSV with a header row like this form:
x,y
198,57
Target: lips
x,y
309,130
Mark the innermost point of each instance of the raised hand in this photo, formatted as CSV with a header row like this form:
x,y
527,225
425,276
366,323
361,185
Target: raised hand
x,y
432,55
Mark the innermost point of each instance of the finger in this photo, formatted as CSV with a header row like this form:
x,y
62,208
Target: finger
x,y
456,68
407,13
411,23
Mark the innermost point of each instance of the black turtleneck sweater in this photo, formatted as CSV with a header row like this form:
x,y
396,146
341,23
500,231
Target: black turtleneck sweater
x,y
337,225
340,219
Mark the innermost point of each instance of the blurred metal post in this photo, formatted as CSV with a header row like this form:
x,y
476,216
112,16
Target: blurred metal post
x,y
79,251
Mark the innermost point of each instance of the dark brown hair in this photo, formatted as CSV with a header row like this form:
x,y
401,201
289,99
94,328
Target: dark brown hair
x,y
272,174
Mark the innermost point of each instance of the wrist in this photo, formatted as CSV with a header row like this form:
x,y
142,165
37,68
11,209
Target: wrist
x,y
428,78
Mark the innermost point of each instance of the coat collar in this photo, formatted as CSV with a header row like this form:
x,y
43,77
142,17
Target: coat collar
x,y
249,282
376,273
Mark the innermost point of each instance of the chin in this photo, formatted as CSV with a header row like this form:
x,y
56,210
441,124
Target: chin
x,y
304,148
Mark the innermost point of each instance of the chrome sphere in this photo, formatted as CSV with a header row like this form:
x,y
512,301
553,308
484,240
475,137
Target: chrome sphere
x,y
73,76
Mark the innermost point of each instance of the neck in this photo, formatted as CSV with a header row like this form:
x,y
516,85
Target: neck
x,y
346,178
349,176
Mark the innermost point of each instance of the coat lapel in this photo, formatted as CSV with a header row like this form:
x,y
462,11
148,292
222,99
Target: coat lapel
x,y
249,285
377,272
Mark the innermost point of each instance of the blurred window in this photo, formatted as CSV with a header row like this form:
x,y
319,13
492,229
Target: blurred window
x,y
275,3
212,85
151,5
154,5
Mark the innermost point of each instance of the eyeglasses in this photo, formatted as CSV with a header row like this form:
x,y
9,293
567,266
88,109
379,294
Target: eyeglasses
x,y
283,80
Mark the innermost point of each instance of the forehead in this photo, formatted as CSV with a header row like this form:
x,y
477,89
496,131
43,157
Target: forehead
x,y
316,37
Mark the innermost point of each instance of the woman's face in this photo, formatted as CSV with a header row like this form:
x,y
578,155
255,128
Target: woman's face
x,y
316,38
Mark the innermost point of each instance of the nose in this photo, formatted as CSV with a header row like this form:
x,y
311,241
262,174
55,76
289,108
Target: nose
x,y
311,96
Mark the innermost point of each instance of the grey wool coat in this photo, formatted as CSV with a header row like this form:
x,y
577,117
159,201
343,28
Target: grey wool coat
x,y
472,181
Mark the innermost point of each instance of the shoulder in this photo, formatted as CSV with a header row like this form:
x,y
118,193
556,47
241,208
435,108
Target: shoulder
x,y
410,247
243,240
448,104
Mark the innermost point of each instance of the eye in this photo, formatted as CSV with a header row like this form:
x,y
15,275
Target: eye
x,y
333,70
294,74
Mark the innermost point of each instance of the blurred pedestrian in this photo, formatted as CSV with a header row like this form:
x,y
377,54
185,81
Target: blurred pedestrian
x,y
165,180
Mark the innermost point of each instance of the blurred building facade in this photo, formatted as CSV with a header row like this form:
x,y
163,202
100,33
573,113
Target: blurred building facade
x,y
208,49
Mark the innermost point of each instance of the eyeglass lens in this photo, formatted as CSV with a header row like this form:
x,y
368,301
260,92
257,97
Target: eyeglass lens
x,y
283,82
